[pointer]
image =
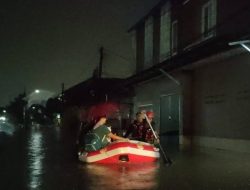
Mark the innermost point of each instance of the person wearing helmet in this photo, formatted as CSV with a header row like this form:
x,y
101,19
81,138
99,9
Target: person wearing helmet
x,y
135,128
148,135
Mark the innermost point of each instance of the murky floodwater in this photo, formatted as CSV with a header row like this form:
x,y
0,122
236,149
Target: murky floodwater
x,y
45,158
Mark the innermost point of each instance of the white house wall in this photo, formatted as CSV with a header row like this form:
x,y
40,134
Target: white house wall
x,y
150,92
215,102
222,104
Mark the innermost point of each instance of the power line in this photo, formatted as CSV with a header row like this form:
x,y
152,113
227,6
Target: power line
x,y
117,55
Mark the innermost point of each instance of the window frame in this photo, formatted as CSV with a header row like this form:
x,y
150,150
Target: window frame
x,y
165,24
174,37
148,40
208,22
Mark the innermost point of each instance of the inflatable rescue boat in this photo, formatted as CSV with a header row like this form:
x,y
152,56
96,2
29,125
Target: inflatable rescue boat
x,y
122,151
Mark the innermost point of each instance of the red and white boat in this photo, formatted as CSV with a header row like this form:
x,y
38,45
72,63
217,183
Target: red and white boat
x,y
122,151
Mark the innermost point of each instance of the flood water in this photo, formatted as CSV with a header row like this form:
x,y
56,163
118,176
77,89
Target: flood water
x,y
45,158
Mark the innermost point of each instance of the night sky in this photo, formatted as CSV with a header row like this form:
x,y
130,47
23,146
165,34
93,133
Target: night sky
x,y
47,42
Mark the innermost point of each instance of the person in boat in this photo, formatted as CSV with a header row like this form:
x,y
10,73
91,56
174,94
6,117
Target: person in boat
x,y
100,136
84,127
135,129
147,133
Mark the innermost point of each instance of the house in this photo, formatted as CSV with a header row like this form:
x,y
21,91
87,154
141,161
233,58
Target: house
x,y
193,72
94,91
98,94
90,99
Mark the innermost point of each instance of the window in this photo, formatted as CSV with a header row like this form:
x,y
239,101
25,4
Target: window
x,y
165,33
209,14
148,43
174,37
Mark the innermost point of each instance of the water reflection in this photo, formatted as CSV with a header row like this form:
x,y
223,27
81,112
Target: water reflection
x,y
35,161
7,128
7,131
122,176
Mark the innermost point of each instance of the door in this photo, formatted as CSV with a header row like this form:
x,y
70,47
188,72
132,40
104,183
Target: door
x,y
169,119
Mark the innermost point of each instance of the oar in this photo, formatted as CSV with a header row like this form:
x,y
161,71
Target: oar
x,y
166,158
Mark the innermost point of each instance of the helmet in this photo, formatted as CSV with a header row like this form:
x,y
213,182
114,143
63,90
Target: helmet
x,y
150,114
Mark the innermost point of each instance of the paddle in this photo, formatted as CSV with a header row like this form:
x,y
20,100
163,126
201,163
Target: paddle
x,y
166,158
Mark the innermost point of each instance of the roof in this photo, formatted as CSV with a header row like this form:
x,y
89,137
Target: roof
x,y
94,90
151,12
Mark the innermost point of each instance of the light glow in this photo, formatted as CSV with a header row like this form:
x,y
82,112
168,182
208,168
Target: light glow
x,y
245,46
242,43
2,118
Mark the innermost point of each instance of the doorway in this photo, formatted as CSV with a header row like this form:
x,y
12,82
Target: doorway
x,y
170,119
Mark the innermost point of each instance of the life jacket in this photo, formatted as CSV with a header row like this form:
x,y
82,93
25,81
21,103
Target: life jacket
x,y
92,142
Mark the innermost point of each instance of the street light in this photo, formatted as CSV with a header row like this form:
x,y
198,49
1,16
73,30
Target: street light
x,y
242,43
3,118
37,91
4,111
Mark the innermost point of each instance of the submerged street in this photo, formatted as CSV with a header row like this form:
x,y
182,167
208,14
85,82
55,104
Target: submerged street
x,y
167,79
42,157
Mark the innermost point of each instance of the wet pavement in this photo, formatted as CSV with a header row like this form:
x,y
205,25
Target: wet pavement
x,y
44,158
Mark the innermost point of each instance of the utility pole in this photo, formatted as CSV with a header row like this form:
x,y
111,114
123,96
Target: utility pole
x,y
25,107
100,62
62,88
62,96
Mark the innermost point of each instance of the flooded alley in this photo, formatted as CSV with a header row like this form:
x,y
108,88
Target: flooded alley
x,y
42,158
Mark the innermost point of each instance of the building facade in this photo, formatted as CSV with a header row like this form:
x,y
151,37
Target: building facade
x,y
193,72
